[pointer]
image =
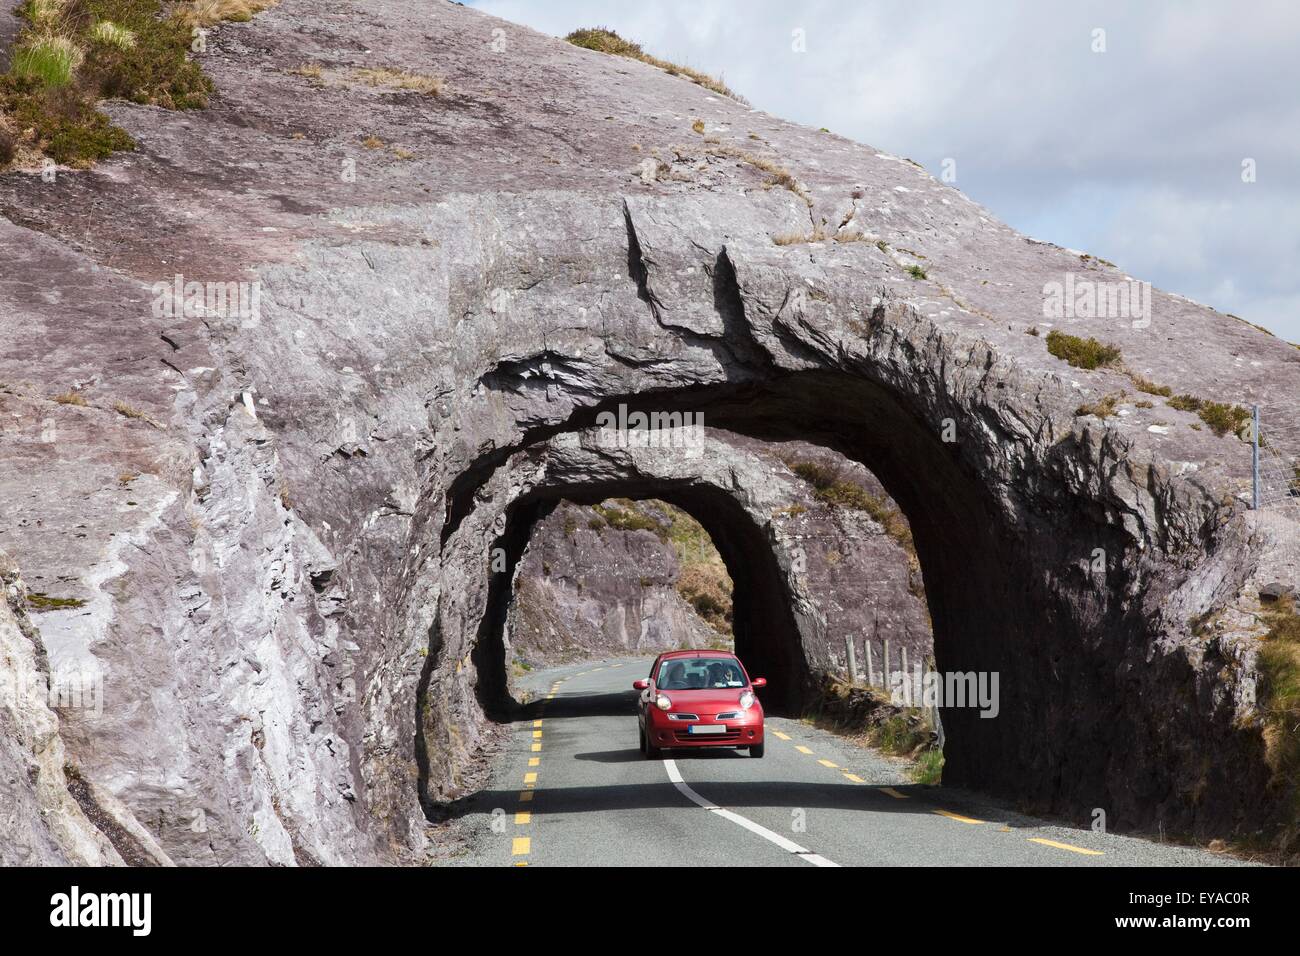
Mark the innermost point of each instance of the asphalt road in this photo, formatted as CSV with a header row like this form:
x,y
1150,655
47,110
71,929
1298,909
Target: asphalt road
x,y
573,789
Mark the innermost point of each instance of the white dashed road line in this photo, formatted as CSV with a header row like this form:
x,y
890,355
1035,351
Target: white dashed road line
x,y
771,836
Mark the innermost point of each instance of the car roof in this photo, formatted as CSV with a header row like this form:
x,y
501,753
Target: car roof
x,y
675,654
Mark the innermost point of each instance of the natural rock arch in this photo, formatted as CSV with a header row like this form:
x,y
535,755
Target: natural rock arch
x,y
1009,591
1099,668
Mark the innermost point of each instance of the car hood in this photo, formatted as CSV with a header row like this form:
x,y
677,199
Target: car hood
x,y
707,701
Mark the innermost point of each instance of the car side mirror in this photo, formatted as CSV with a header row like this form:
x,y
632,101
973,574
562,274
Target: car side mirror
x,y
759,682
641,684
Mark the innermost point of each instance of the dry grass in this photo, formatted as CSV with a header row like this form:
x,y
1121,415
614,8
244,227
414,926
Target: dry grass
x,y
777,175
1103,408
1151,388
400,80
604,40
112,34
206,13
372,142
71,398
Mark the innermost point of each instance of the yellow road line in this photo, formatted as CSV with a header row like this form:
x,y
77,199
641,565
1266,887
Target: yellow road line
x,y
893,793
537,734
525,796
781,735
1066,846
522,817
957,816
827,763
530,778
534,761
521,846
855,778
802,749
537,748
537,723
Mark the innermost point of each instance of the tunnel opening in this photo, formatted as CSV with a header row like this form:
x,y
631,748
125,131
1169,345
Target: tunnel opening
x,y
763,628
1007,588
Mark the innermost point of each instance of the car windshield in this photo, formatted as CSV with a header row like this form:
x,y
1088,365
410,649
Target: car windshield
x,y
699,673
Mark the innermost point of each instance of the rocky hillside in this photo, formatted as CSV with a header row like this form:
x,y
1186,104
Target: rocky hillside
x,y
602,580
420,261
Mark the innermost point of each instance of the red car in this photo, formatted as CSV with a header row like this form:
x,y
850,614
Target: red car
x,y
699,699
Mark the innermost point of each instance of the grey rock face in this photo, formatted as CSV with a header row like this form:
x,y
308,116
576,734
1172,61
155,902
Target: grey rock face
x,y
291,596
585,589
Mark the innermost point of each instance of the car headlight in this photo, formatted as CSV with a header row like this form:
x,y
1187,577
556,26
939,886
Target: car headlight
x,y
746,700
662,702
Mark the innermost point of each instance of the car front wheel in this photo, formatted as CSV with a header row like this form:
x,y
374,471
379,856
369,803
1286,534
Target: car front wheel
x,y
650,750
756,750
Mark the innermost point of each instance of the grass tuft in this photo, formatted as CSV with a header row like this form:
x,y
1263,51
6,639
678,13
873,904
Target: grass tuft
x,y
1081,353
605,40
207,13
48,60
399,80
105,31
1103,408
39,601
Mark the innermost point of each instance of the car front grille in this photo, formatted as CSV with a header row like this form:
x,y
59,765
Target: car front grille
x,y
729,715
683,716
685,735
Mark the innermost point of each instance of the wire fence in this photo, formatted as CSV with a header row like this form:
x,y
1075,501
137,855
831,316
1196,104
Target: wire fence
x,y
1275,455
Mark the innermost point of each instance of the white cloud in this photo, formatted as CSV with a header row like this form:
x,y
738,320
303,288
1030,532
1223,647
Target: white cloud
x,y
1133,154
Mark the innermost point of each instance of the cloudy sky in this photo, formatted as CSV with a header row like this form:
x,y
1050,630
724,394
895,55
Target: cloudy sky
x,y
1134,154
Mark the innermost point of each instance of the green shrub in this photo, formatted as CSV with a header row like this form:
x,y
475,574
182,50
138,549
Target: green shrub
x,y
1220,416
1223,418
1081,353
74,53
916,272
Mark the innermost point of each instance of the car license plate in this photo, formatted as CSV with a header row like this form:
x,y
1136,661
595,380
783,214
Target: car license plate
x,y
707,729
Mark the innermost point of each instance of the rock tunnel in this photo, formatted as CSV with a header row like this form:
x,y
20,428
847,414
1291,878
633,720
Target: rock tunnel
x,y
1009,582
